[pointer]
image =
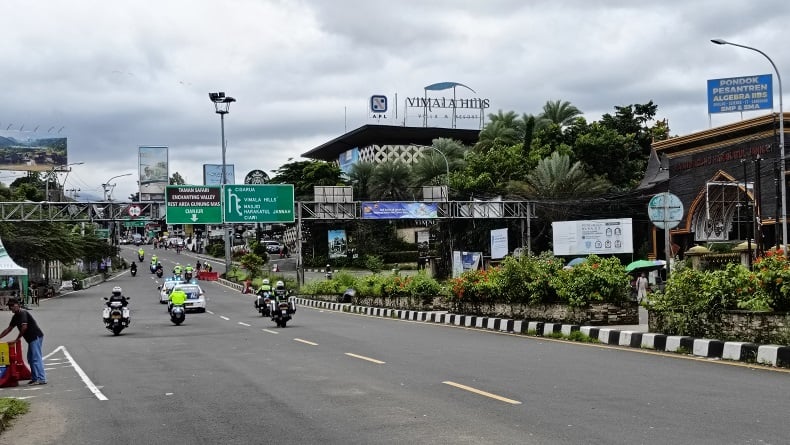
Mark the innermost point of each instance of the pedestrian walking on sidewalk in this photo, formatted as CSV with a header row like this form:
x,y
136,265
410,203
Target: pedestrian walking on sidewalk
x,y
641,287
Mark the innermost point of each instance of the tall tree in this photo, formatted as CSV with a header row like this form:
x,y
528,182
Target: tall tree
x,y
360,176
177,179
391,181
556,177
306,174
432,168
559,112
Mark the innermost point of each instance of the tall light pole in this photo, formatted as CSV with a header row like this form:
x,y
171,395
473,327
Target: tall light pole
x,y
222,107
107,186
782,179
51,175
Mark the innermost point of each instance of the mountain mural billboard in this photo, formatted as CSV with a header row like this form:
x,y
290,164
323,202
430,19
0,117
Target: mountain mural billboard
x,y
32,154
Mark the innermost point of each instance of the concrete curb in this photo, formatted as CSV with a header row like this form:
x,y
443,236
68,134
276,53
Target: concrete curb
x,y
772,355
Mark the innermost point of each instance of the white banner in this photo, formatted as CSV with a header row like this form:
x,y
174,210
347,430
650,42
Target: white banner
x,y
498,244
600,237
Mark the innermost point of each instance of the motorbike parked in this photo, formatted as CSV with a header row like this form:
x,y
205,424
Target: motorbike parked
x,y
116,316
177,314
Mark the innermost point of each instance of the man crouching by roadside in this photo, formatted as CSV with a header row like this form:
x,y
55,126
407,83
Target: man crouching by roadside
x,y
28,328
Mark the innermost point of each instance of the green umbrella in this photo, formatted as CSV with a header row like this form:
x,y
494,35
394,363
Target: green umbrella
x,y
641,264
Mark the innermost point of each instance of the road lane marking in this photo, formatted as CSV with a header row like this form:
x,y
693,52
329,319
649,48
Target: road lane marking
x,y
306,342
244,324
81,373
270,331
210,312
224,318
362,357
483,393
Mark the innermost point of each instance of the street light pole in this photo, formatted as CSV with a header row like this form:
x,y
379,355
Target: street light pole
x,y
222,107
108,187
782,179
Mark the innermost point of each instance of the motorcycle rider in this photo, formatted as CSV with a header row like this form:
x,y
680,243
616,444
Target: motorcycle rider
x,y
177,298
117,295
154,260
279,291
264,288
188,270
140,253
133,268
177,270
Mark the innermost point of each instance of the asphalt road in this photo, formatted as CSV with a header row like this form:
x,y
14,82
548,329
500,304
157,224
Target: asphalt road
x,y
230,376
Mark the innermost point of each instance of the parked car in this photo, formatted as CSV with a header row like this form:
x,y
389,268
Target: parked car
x,y
273,246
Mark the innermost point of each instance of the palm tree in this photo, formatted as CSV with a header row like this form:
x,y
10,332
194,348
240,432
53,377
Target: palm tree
x,y
560,113
390,181
498,133
360,176
431,167
555,177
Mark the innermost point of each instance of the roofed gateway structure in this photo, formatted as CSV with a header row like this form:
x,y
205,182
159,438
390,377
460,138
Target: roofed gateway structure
x,y
382,143
728,180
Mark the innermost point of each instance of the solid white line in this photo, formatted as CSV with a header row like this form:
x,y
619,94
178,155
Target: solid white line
x,y
362,357
306,342
482,393
270,331
244,324
83,376
224,317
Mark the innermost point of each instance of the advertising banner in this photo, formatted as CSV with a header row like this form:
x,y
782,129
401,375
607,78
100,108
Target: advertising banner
x,y
499,244
737,94
154,173
337,243
212,174
601,236
399,210
463,261
31,153
347,159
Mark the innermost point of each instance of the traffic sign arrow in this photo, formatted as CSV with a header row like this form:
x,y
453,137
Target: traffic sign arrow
x,y
194,217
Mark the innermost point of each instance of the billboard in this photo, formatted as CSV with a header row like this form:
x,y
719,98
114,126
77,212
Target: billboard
x,y
154,173
338,243
737,94
600,236
499,244
347,159
399,210
212,174
31,153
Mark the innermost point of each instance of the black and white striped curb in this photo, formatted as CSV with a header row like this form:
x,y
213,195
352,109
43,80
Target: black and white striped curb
x,y
774,355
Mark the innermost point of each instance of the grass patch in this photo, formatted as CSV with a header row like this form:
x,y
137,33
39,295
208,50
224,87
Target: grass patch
x,y
532,332
581,337
13,407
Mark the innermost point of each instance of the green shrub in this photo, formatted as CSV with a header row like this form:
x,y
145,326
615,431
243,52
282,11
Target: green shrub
x,y
596,280
14,407
374,263
410,256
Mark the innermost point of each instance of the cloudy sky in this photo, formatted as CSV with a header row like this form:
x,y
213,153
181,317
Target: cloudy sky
x,y
113,75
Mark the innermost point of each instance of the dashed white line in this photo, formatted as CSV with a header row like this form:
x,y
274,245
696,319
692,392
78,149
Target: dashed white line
x,y
362,357
244,324
210,312
483,393
306,342
224,317
270,331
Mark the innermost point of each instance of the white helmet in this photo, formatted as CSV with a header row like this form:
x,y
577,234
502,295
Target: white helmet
x,y
116,290
280,284
265,281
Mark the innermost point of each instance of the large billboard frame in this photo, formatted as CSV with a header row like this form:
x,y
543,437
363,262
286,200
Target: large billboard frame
x,y
739,94
153,172
212,174
33,154
599,237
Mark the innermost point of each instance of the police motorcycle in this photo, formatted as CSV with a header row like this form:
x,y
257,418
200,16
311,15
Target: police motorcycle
x,y
152,267
116,315
263,301
187,275
140,257
133,269
177,313
282,309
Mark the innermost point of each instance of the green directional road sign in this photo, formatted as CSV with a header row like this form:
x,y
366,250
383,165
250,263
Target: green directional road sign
x,y
259,203
193,204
